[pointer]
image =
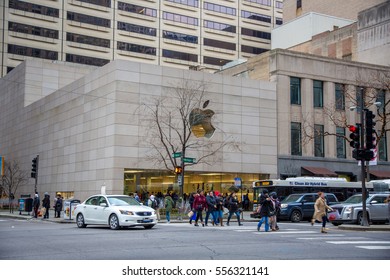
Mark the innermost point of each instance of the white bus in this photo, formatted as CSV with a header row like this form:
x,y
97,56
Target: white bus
x,y
338,186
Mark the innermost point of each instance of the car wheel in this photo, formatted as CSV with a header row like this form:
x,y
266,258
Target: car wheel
x,y
148,226
296,216
359,219
336,224
80,221
114,222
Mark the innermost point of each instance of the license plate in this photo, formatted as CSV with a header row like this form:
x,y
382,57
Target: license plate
x,y
147,221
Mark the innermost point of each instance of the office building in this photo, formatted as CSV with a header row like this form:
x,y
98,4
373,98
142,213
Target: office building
x,y
194,34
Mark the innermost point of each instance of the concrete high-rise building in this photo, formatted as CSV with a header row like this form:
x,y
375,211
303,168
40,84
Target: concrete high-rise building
x,y
347,9
178,33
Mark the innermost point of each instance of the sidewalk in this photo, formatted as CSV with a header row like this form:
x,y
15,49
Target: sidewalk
x,y
246,218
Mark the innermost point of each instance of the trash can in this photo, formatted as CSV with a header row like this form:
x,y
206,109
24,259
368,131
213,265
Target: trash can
x,y
28,204
21,205
25,205
69,206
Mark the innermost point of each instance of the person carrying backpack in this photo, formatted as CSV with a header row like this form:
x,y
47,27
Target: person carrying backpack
x,y
154,203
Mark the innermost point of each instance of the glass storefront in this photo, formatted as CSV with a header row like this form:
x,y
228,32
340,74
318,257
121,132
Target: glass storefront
x,y
155,182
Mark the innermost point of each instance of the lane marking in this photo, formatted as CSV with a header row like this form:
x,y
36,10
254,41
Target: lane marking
x,y
359,242
374,247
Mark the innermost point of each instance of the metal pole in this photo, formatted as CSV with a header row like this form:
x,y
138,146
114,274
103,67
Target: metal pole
x,y
363,167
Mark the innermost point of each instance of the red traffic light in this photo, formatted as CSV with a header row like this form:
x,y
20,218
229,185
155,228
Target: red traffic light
x,y
352,128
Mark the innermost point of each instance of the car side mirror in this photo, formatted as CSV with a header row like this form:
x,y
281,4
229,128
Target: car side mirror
x,y
303,201
103,204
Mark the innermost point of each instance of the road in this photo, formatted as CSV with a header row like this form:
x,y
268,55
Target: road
x,y
41,240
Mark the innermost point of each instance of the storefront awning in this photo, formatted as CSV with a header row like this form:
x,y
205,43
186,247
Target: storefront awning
x,y
318,171
380,174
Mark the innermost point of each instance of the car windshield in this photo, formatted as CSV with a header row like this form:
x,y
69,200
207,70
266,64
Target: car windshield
x,y
122,201
292,198
354,199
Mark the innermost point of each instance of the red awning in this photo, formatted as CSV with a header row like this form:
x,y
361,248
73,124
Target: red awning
x,y
318,171
380,174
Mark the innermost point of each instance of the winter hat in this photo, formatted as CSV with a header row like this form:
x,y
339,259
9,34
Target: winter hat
x,y
151,197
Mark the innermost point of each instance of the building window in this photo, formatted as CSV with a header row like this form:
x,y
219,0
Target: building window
x,y
261,2
279,4
254,16
9,69
256,33
180,18
219,44
86,60
136,48
339,97
137,9
219,26
299,4
33,52
380,97
219,9
278,21
359,92
319,140
89,40
340,142
192,3
215,61
180,55
318,94
295,90
180,37
382,148
88,19
253,50
33,8
32,30
137,28
296,137
104,3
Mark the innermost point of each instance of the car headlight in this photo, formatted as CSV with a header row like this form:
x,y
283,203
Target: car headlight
x,y
283,205
125,212
348,210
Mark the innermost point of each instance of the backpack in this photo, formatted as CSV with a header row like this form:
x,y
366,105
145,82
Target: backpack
x,y
154,203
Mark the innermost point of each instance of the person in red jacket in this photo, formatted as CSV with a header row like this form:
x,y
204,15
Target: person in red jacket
x,y
199,206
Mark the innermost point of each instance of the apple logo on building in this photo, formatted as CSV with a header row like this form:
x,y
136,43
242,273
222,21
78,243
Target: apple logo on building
x,y
200,121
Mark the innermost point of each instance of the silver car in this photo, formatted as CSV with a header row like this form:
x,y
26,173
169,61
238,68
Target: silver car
x,y
115,211
351,210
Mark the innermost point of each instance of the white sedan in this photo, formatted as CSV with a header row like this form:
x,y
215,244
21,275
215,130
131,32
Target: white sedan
x,y
114,210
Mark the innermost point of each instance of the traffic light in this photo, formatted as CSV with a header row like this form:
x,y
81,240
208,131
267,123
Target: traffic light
x,y
355,141
178,170
370,129
34,167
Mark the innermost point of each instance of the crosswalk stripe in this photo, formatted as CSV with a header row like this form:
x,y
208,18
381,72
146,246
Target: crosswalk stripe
x,y
359,242
374,247
285,232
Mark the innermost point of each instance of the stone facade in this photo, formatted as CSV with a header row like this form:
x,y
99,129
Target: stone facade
x,y
282,65
87,127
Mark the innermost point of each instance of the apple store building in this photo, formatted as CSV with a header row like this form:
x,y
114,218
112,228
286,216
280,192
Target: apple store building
x,y
134,127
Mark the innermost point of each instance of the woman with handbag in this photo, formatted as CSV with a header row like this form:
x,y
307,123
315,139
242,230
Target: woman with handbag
x,y
199,206
320,209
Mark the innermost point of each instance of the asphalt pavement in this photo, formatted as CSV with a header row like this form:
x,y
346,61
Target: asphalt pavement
x,y
245,218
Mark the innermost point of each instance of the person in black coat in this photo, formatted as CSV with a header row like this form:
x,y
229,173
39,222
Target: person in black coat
x,y
266,210
46,204
58,206
36,203
233,208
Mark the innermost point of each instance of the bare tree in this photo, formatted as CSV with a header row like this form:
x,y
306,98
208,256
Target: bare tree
x,y
13,178
376,88
170,132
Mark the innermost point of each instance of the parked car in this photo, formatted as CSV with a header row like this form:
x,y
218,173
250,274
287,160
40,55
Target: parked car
x,y
351,210
115,211
300,206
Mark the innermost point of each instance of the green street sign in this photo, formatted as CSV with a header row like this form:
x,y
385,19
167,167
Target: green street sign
x,y
189,160
176,155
